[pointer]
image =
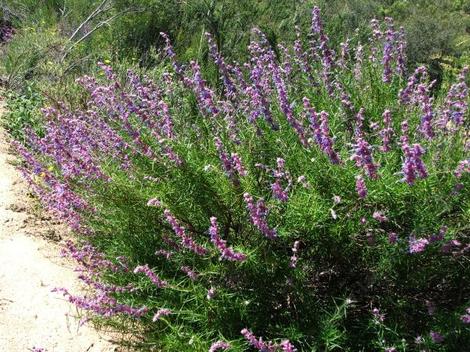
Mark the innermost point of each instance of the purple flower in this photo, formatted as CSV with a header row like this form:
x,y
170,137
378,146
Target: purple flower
x,y
359,56
164,253
379,216
219,345
401,53
210,293
258,344
225,251
258,215
413,165
462,167
232,165
390,39
319,126
361,188
161,313
417,245
407,95
466,317
151,275
436,337
191,273
303,181
455,105
223,67
426,106
294,258
392,238
154,202
379,317
205,96
317,26
278,192
387,131
180,231
363,158
287,346
451,245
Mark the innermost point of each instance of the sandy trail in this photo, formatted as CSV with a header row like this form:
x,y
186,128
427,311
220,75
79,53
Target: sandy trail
x,y
30,267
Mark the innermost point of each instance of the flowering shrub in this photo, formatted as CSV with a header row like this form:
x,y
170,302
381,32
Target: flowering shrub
x,y
312,198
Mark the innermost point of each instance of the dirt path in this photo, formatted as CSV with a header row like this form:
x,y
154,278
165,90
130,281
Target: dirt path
x,y
30,267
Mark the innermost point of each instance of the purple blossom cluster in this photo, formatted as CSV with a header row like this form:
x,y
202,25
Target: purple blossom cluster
x,y
56,195
363,158
145,269
462,168
258,214
456,103
225,251
232,164
417,245
190,272
294,258
281,175
219,345
186,240
320,129
407,95
92,264
162,312
436,337
6,32
466,317
361,187
413,165
387,132
260,345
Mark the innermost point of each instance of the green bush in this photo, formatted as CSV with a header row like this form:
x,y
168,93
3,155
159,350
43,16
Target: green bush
x,y
338,183
23,113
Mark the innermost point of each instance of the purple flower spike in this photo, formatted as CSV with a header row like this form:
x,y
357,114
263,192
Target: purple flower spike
x,y
258,215
180,231
219,345
163,312
418,245
466,317
363,158
361,188
191,273
387,132
258,344
151,275
225,251
413,165
379,216
287,346
294,258
436,337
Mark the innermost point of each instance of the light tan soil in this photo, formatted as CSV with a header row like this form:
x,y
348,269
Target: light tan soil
x,y
30,267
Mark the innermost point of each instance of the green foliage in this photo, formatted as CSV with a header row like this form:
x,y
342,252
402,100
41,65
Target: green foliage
x,y
23,112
